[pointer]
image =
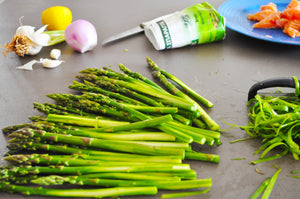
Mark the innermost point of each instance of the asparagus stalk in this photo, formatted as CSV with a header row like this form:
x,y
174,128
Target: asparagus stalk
x,y
138,76
100,155
112,74
90,87
147,89
70,100
138,125
91,193
130,135
99,143
180,83
7,171
164,185
84,121
184,194
206,118
42,125
116,88
134,113
39,159
202,156
72,160
48,108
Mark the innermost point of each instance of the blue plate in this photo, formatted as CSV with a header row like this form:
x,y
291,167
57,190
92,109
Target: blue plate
x,y
236,12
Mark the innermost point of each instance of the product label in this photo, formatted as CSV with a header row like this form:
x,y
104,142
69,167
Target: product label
x,y
197,24
165,33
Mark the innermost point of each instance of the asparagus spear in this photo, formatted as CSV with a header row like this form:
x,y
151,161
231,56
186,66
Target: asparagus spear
x,y
180,83
145,89
70,100
48,108
130,135
99,143
113,74
138,125
116,88
7,171
134,113
184,194
103,155
84,121
65,159
90,87
206,118
164,185
138,76
202,156
39,159
92,193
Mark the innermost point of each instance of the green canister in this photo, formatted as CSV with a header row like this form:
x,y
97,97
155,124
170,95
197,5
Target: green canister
x,y
197,24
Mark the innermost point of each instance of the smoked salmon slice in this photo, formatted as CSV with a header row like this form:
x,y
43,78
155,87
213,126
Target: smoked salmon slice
x,y
270,17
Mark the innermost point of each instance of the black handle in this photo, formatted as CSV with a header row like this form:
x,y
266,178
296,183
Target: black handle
x,y
276,82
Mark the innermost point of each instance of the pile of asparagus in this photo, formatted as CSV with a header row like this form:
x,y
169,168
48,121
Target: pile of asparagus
x,y
120,134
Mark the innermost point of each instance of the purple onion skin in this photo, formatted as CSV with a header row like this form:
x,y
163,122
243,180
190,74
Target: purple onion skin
x,y
81,35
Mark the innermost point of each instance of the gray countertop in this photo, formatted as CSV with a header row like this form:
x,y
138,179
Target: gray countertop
x,y
221,71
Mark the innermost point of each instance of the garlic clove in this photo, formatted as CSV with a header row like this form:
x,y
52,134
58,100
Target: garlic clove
x,y
28,66
49,63
34,49
55,53
39,38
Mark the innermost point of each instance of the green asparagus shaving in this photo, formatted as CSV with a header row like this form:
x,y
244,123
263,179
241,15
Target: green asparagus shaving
x,y
260,189
278,127
271,184
91,193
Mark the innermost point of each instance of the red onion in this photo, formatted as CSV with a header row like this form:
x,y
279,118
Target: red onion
x,y
81,35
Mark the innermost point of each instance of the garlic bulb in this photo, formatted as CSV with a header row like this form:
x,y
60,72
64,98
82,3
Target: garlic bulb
x,y
26,41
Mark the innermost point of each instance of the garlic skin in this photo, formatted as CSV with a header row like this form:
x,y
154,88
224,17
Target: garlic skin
x,y
49,63
28,66
55,53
